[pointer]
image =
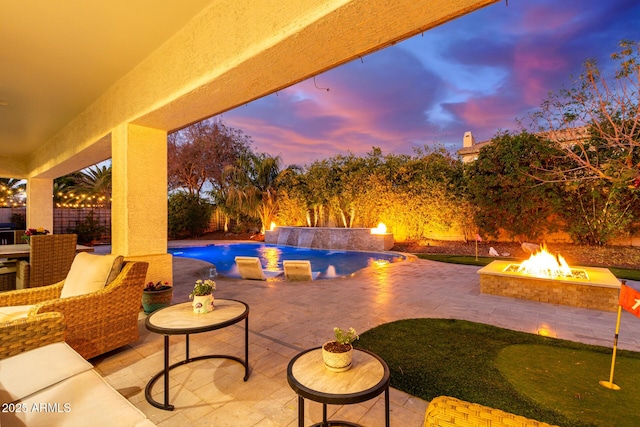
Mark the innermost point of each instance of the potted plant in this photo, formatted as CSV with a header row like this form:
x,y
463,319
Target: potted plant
x,y
156,295
202,296
34,232
338,354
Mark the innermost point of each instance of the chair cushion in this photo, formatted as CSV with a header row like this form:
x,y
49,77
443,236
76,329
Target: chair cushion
x,y
26,373
7,314
89,273
85,399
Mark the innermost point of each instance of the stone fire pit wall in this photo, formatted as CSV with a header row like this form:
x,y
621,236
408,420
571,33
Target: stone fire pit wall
x,y
598,293
348,239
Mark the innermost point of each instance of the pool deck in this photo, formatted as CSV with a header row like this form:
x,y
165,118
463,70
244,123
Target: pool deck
x,y
287,318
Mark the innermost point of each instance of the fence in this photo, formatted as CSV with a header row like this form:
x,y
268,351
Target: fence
x,y
65,219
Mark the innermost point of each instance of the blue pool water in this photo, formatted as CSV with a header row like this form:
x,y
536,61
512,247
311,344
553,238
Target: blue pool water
x,y
328,263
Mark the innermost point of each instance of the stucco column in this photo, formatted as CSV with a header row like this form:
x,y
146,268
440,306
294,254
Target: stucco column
x,y
139,198
40,203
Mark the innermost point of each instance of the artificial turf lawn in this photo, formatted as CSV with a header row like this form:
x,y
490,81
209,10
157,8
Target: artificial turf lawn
x,y
546,379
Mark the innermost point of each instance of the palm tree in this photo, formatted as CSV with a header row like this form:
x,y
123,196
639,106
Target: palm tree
x,y
62,189
12,192
90,186
253,186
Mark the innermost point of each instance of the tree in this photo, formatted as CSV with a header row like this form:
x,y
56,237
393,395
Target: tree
x,y
93,185
413,195
294,199
596,123
338,183
62,189
89,187
507,196
595,212
596,126
12,192
188,215
199,153
253,186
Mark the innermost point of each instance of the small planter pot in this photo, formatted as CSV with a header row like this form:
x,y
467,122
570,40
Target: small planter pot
x,y
337,361
202,303
155,300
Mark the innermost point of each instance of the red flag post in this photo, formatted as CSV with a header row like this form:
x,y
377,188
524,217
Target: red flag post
x,y
629,300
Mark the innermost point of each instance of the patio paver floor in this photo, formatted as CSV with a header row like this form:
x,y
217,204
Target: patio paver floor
x,y
286,318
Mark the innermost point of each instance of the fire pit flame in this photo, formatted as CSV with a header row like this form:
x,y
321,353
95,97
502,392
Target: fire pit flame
x,y
544,264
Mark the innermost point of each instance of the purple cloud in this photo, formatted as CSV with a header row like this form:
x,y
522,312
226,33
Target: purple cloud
x,y
477,73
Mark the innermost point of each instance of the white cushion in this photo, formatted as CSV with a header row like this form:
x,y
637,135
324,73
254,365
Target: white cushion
x,y
7,314
25,373
85,399
89,273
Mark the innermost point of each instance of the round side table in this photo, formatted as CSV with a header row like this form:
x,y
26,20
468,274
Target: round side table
x,y
180,319
367,378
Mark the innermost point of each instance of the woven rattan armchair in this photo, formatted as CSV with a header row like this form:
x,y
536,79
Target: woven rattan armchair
x,y
444,411
30,332
50,259
97,322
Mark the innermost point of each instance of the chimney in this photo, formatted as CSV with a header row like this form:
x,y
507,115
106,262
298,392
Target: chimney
x,y
468,140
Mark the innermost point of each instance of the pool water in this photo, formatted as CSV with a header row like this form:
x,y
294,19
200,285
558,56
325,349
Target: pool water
x,y
328,263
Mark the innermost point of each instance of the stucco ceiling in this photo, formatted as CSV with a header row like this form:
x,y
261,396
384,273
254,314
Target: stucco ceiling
x,y
58,56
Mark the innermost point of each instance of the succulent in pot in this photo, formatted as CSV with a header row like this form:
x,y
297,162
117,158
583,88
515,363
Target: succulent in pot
x,y
338,353
202,296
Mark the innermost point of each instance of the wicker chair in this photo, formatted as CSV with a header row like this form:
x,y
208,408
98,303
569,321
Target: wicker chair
x,y
50,259
97,322
444,411
30,332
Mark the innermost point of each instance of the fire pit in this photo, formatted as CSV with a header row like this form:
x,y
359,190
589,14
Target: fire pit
x,y
547,278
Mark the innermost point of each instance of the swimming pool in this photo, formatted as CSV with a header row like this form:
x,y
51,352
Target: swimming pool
x,y
329,263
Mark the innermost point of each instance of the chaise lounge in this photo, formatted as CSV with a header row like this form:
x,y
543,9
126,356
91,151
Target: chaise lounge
x,y
298,270
250,268
64,390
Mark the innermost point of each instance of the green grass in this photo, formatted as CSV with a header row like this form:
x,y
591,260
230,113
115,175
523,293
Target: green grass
x,y
547,379
620,273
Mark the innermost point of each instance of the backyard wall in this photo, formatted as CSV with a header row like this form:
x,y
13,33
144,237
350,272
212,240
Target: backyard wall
x,y
65,219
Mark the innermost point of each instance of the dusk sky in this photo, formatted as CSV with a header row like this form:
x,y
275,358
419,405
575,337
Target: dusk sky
x,y
477,73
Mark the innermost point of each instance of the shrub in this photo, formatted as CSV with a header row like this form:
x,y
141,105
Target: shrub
x,y
88,230
19,220
189,215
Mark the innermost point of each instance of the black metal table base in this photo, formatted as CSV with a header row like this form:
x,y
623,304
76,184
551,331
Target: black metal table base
x,y
336,423
167,368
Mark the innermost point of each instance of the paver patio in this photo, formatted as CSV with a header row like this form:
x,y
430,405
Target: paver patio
x,y
286,318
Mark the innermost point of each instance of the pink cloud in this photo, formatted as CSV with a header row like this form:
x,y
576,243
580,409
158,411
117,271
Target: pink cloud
x,y
535,71
426,90
489,112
